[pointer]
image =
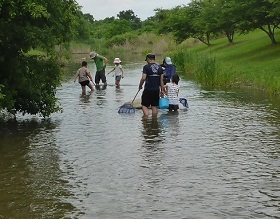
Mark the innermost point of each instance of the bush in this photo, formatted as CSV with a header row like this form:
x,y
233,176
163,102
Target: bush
x,y
32,85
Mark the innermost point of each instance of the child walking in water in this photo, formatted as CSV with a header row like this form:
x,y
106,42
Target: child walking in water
x,y
84,78
172,91
118,71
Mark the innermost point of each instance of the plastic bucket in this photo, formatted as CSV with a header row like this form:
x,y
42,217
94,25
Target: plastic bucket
x,y
163,103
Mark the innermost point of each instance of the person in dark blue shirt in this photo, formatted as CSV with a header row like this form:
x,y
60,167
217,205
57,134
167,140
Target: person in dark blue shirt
x,y
169,70
152,76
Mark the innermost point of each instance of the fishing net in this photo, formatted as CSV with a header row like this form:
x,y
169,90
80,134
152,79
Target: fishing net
x,y
126,108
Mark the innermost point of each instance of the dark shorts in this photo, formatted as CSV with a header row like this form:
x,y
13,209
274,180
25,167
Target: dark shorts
x,y
172,107
84,83
118,78
100,75
150,98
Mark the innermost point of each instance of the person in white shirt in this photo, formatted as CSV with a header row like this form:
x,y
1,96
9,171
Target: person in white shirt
x,y
172,91
118,70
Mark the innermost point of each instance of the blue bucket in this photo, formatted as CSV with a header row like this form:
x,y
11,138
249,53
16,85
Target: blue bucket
x,y
163,103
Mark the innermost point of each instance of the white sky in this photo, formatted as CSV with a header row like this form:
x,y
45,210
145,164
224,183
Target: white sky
x,y
143,9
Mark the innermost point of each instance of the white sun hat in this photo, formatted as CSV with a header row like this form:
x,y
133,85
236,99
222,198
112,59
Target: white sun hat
x,y
168,61
117,60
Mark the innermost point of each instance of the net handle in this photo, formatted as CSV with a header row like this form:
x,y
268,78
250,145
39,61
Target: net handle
x,y
135,96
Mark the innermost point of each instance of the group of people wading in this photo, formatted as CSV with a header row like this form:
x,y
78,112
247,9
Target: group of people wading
x,y
158,80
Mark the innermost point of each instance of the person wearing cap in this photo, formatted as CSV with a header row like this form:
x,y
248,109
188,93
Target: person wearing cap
x,y
169,70
152,76
84,78
118,70
100,62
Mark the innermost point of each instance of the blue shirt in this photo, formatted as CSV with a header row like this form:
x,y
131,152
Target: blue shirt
x,y
170,70
153,72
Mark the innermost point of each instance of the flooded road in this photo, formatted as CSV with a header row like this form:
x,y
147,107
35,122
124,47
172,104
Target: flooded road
x,y
219,159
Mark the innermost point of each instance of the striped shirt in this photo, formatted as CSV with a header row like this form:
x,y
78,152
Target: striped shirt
x,y
172,93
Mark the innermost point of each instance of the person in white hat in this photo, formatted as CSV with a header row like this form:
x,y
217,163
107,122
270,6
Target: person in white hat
x,y
118,70
100,62
169,69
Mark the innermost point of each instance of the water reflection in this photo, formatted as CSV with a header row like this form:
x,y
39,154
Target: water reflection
x,y
170,123
32,184
152,154
101,99
100,87
85,98
119,94
151,130
267,106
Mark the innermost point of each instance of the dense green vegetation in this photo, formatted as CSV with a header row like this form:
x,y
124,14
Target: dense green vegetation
x,y
238,45
29,81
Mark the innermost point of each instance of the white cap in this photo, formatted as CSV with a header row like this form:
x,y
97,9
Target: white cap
x,y
168,61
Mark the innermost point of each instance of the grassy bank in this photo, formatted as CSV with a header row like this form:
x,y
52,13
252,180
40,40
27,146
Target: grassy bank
x,y
249,62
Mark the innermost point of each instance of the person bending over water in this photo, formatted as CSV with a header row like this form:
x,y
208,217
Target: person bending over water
x,y
84,78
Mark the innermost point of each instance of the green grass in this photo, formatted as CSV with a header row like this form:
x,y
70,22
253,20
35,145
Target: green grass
x,y
251,61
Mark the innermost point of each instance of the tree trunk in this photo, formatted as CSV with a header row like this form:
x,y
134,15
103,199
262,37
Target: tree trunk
x,y
230,34
206,42
270,34
272,38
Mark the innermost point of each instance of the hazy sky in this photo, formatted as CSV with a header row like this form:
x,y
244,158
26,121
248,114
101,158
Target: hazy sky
x,y
141,8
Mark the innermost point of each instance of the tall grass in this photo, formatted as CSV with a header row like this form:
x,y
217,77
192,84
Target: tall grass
x,y
136,48
133,48
203,67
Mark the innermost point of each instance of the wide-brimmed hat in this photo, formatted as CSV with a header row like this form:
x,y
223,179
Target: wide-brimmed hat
x,y
117,61
168,61
92,54
150,56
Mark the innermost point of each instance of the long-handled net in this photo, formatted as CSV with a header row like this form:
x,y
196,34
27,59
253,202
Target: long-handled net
x,y
128,107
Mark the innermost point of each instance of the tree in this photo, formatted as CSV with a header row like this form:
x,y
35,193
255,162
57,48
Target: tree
x,y
117,27
262,14
176,21
29,82
88,17
128,15
84,29
162,19
150,25
203,20
217,23
188,22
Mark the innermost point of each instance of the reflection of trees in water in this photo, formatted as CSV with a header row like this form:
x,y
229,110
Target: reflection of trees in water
x,y
31,180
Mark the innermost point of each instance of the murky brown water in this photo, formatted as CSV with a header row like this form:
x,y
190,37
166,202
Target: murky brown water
x,y
219,159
